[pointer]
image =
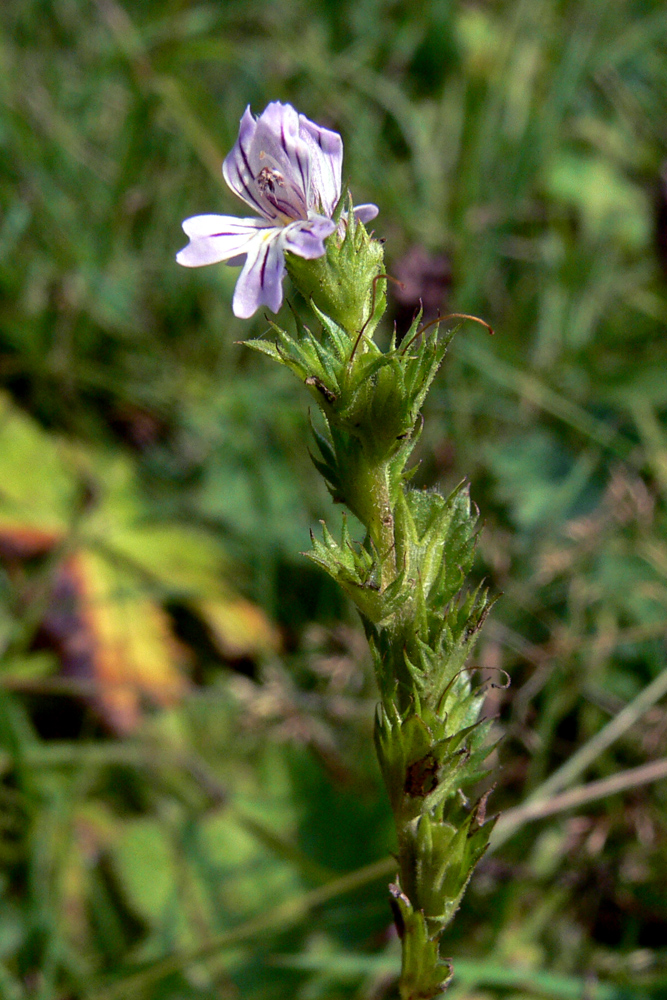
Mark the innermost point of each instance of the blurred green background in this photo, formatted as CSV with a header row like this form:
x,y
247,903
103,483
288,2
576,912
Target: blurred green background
x,y
188,792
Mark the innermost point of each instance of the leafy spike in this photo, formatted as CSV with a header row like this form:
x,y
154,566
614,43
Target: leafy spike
x,y
407,580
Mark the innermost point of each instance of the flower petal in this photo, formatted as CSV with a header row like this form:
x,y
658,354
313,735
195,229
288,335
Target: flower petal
x,y
218,237
268,166
261,280
365,212
306,239
325,149
236,167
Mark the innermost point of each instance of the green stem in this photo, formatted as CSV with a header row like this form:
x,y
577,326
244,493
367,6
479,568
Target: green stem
x,y
381,523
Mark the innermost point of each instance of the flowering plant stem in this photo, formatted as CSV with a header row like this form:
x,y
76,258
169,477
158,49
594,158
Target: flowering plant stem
x,y
406,577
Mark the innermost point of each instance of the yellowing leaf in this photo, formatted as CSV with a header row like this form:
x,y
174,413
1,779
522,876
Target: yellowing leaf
x,y
23,541
104,617
188,565
122,641
184,562
238,628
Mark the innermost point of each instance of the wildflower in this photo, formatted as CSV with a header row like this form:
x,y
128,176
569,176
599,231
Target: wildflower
x,y
289,171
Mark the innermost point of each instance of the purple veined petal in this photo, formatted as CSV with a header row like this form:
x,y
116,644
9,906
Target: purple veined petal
x,y
260,283
236,166
269,166
281,156
222,225
306,239
326,155
366,212
214,238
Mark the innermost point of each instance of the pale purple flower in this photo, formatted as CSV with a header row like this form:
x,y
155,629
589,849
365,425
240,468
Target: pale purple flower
x,y
289,171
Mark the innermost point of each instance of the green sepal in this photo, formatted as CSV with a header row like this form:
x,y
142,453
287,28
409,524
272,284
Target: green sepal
x,y
336,336
326,463
435,538
424,974
421,362
437,862
265,347
421,762
358,573
370,401
382,393
340,283
315,363
436,655
368,489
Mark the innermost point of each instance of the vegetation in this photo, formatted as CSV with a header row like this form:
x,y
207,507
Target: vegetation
x,y
191,805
